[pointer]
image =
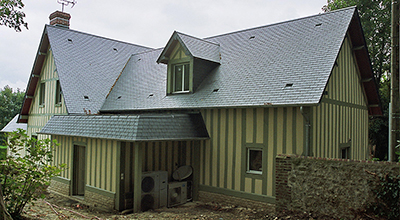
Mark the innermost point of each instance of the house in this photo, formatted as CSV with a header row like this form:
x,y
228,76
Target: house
x,y
12,126
225,105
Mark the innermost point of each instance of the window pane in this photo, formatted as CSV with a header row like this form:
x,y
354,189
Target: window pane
x,y
255,160
186,77
58,93
42,94
178,77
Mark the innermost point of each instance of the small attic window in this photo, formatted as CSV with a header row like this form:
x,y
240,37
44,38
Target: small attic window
x,y
252,37
215,90
86,98
115,49
318,25
119,97
70,40
288,85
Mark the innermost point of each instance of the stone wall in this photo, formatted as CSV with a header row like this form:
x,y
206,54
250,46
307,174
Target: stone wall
x,y
99,201
331,187
59,187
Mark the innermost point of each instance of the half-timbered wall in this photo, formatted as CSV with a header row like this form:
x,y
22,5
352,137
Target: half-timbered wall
x,y
223,158
40,114
101,160
342,116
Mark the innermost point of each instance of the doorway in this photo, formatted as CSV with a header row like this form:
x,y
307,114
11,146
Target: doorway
x,y
78,180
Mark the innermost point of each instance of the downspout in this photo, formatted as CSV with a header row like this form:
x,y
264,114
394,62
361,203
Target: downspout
x,y
305,111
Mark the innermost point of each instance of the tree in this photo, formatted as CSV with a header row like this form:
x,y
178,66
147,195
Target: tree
x,y
24,178
375,19
10,105
11,14
375,16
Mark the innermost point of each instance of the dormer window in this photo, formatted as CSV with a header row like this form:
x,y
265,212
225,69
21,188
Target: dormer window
x,y
189,60
181,77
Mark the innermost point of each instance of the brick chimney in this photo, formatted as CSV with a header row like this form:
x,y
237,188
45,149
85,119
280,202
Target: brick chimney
x,y
59,18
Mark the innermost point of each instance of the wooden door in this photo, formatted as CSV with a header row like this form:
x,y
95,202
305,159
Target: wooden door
x,y
78,186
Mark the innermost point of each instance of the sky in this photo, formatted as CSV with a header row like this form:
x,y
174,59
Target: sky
x,y
144,22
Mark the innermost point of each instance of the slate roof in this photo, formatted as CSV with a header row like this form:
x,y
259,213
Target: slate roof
x,y
139,127
197,48
13,125
87,65
255,67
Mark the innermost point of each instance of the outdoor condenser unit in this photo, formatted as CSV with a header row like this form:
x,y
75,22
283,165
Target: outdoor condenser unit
x,y
154,190
177,193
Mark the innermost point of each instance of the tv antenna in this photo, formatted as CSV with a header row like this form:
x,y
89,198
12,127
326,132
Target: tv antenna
x,y
66,3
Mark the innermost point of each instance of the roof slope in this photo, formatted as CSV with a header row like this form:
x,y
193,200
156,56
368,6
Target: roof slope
x,y
144,127
256,65
13,125
87,65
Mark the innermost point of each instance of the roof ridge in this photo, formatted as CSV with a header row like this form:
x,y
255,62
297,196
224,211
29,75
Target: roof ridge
x,y
197,38
93,35
147,51
282,22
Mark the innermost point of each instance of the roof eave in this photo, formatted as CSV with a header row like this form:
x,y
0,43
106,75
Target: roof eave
x,y
34,77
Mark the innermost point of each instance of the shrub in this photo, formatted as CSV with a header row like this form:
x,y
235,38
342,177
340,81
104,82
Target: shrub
x,y
23,178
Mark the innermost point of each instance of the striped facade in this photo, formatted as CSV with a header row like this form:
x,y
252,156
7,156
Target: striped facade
x,y
106,160
40,114
341,118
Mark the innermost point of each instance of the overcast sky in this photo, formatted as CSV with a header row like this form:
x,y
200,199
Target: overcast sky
x,y
144,22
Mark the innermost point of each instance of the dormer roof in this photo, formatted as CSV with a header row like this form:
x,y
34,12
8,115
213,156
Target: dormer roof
x,y
194,47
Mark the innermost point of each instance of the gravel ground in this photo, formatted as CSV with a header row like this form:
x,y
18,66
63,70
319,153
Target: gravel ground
x,y
59,207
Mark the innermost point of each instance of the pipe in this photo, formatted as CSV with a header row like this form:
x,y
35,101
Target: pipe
x,y
305,111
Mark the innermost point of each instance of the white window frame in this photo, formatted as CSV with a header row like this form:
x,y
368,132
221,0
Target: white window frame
x,y
185,69
248,170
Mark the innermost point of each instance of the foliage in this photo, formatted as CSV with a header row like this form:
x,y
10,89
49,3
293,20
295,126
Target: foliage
x,y
10,105
387,192
23,178
379,126
11,14
375,19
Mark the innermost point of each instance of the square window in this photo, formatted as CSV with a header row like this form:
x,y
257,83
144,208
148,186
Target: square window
x,y
254,160
181,77
58,93
42,93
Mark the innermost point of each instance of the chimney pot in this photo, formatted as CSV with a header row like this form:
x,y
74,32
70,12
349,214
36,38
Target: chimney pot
x,y
59,18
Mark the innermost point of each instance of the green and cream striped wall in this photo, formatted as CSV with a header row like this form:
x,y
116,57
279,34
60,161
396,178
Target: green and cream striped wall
x,y
342,116
104,156
39,115
232,131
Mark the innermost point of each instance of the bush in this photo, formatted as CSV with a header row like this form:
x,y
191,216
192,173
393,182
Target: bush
x,y
23,178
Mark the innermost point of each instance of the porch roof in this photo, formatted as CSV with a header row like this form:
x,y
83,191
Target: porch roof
x,y
137,127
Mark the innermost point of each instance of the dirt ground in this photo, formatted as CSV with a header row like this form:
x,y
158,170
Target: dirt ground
x,y
59,207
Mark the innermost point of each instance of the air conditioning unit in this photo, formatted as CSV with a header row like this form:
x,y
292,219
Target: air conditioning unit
x,y
177,193
154,190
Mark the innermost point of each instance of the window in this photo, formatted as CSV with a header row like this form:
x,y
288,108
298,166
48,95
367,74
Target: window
x,y
344,150
254,160
58,93
42,93
180,74
345,153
